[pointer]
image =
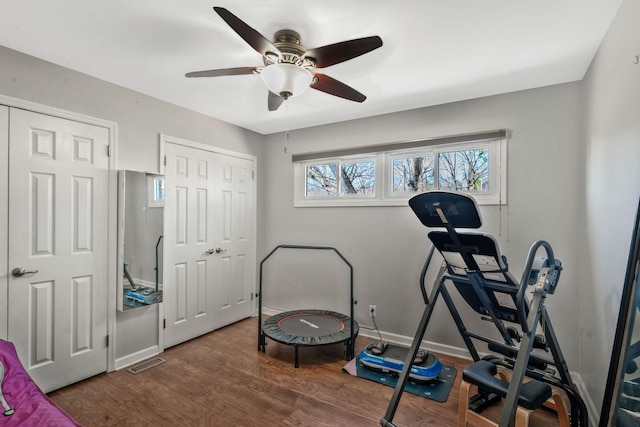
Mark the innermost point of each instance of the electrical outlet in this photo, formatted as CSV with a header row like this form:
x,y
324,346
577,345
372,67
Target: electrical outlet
x,y
373,311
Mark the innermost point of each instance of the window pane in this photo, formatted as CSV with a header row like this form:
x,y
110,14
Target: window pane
x,y
358,178
413,174
465,170
158,189
322,180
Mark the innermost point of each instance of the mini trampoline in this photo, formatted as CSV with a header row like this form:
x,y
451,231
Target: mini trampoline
x,y
308,327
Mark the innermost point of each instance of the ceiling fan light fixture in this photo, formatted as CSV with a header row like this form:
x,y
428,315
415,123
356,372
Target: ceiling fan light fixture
x,y
286,80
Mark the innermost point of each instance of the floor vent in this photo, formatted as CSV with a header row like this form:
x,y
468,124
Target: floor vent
x,y
147,364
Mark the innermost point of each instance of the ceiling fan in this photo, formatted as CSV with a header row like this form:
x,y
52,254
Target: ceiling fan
x,y
289,67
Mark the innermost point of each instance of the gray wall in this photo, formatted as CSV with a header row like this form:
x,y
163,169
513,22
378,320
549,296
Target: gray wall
x,y
387,245
612,185
140,120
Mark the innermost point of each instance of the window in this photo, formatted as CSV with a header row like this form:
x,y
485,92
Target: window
x,y
338,178
155,191
391,177
413,173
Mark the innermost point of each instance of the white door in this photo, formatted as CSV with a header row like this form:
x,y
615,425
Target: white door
x,y
188,235
57,303
233,237
209,241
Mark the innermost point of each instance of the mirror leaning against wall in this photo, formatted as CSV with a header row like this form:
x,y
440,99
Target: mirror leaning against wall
x,y
621,405
140,228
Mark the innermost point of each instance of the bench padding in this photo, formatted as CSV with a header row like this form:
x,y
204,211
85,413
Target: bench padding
x,y
482,373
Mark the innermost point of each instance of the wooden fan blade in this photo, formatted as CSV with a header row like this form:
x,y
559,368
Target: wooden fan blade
x,y
339,52
248,34
223,72
275,101
334,87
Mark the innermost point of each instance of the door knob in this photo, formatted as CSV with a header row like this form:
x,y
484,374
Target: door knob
x,y
19,272
215,251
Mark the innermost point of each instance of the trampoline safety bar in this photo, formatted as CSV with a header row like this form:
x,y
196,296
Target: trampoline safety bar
x,y
346,334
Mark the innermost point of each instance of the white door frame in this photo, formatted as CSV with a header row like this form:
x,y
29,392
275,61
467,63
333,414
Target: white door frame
x,y
165,139
112,128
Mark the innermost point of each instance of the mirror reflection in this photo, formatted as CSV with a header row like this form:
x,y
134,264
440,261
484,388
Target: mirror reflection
x,y
629,399
627,406
621,405
141,238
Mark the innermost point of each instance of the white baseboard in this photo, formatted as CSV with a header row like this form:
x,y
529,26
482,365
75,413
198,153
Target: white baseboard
x,y
594,411
136,357
406,341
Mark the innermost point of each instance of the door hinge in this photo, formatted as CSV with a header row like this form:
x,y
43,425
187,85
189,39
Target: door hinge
x,y
108,150
107,340
165,160
253,174
164,323
251,296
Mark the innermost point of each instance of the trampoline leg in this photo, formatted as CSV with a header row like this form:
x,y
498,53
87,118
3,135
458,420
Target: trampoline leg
x,y
296,356
262,342
350,350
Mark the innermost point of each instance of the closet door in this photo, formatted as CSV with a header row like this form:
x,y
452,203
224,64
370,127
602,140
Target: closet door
x,y
209,236
233,239
188,237
57,296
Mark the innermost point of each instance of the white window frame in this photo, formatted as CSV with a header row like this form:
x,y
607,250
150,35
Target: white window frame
x,y
383,196
340,161
152,202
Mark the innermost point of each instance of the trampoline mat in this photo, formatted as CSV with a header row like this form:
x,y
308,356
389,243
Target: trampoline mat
x,y
309,327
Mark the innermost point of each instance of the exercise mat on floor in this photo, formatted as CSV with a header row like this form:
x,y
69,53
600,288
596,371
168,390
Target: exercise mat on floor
x,y
437,390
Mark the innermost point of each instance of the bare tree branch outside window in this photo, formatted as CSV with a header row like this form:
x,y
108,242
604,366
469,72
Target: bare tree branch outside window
x,y
355,178
322,180
466,170
413,174
358,178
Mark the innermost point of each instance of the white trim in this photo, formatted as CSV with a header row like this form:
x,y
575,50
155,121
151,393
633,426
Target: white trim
x,y
112,128
138,356
592,409
405,341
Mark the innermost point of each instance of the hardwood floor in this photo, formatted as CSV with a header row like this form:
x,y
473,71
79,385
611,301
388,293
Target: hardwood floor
x,y
221,379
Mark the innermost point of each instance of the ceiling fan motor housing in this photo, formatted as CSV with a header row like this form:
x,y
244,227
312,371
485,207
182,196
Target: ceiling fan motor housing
x,y
288,42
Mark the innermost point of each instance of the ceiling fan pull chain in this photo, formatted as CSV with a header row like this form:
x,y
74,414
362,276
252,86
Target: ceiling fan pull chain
x,y
286,126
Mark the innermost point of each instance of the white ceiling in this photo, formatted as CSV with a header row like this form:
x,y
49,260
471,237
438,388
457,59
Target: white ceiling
x,y
434,52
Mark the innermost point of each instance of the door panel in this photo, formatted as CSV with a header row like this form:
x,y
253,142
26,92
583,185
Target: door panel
x,y
58,191
188,235
234,223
